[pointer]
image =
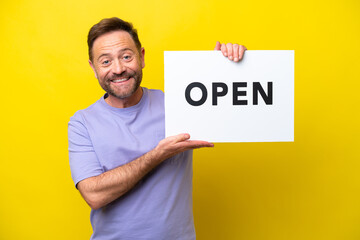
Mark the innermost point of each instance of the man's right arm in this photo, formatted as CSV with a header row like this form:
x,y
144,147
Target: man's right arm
x,y
98,191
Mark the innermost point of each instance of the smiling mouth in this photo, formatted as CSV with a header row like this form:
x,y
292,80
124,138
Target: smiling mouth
x,y
120,80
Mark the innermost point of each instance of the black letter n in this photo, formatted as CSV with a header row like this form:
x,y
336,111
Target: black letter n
x,y
268,99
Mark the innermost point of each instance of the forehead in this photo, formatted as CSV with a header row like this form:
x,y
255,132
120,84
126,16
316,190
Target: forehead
x,y
113,41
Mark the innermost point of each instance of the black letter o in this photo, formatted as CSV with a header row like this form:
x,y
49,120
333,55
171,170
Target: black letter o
x,y
188,90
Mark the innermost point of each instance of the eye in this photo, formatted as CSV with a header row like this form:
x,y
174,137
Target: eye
x,y
105,62
127,57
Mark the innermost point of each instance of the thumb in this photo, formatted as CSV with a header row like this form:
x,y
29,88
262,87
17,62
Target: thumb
x,y
182,137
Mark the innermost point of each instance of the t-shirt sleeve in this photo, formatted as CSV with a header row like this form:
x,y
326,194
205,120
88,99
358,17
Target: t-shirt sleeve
x,y
83,160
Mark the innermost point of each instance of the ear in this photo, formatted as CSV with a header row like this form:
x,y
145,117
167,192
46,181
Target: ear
x,y
142,57
93,68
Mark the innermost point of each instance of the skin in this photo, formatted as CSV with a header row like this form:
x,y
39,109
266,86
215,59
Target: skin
x,y
234,52
117,65
115,57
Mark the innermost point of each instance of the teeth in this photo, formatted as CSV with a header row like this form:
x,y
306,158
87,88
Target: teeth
x,y
119,80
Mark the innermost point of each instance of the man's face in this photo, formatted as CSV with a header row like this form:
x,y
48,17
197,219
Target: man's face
x,y
117,64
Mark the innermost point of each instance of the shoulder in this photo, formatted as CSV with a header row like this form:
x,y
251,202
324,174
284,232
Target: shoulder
x,y
155,94
154,100
92,110
155,97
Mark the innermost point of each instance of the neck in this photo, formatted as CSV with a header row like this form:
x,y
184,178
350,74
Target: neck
x,y
125,102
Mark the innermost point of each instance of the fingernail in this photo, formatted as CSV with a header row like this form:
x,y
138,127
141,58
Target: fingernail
x,y
236,59
230,57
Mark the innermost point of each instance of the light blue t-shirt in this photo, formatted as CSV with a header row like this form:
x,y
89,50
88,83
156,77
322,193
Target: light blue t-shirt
x,y
101,138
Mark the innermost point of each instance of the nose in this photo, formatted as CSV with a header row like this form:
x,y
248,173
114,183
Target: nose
x,y
118,67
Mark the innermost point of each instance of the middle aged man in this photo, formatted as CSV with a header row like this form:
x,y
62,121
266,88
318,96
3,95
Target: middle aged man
x,y
138,184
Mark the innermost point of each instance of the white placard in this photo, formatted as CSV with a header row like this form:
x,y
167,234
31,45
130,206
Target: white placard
x,y
217,100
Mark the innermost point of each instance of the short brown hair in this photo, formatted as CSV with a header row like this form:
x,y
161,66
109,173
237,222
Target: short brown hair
x,y
107,25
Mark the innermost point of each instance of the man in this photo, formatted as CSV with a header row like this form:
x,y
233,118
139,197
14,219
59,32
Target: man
x,y
138,184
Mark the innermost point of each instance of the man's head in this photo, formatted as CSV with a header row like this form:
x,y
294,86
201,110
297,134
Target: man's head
x,y
107,25
117,59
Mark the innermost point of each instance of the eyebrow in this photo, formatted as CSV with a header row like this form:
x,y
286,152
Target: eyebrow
x,y
108,54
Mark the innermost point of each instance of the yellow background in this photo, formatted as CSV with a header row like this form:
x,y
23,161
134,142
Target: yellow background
x,y
309,189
